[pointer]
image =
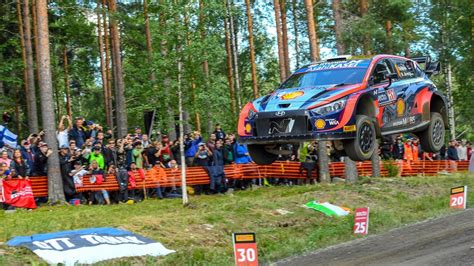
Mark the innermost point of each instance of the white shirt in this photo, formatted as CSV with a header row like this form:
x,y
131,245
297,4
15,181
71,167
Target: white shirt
x,y
63,138
462,153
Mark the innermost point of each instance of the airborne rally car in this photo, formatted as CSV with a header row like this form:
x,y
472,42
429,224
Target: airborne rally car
x,y
352,100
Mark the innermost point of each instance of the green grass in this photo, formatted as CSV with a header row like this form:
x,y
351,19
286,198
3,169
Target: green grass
x,y
201,234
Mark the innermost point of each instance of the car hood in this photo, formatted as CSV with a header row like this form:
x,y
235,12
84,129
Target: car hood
x,y
301,98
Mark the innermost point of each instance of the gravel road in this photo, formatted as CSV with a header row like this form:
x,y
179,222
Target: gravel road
x,y
444,241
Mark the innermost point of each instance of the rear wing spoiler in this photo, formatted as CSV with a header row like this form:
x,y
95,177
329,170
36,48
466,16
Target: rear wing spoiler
x,y
428,66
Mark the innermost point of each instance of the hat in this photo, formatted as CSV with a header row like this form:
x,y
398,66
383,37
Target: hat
x,y
202,144
136,143
137,127
77,163
97,148
64,147
90,123
25,142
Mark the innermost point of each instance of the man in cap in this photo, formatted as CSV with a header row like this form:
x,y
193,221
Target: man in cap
x,y
97,156
41,159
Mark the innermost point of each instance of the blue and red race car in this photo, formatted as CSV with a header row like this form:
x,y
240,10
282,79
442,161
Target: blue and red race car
x,y
351,100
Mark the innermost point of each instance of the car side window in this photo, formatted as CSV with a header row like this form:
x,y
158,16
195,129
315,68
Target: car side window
x,y
382,69
405,68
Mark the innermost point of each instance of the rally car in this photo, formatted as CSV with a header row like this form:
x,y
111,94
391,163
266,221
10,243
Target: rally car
x,y
349,100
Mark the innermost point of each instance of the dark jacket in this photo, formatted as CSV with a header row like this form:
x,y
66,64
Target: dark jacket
x,y
21,169
40,164
79,135
453,153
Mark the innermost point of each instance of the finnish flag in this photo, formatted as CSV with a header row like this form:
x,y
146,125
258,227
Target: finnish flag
x,y
7,137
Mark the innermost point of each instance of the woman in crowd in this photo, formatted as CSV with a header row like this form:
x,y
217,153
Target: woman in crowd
x,y
18,166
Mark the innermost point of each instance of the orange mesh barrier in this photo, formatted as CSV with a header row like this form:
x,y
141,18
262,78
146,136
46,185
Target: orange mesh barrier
x,y
281,169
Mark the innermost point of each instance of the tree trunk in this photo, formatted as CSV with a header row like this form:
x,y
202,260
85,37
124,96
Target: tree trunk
x,y
35,32
235,53
449,91
149,47
108,71
336,10
284,31
350,170
281,51
364,8
312,31
66,84
103,70
252,50
55,184
30,90
230,71
295,28
388,34
323,160
170,118
376,161
120,108
181,131
25,74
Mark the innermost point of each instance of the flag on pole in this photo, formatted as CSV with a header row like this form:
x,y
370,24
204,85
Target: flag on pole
x,y
7,137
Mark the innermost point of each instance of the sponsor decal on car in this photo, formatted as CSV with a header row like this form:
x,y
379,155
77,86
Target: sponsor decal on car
x,y
350,128
292,95
400,107
332,122
334,65
404,121
320,124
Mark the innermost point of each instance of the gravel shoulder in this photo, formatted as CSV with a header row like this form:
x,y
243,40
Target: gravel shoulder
x,y
444,241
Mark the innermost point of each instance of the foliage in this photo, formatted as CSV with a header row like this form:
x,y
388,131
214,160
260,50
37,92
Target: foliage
x,y
392,167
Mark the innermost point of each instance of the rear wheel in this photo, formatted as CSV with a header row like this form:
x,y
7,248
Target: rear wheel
x,y
260,155
432,138
362,146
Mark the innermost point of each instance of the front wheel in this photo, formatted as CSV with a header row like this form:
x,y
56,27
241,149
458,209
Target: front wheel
x,y
260,155
432,138
362,146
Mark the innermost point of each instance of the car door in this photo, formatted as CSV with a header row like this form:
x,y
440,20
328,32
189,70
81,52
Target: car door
x,y
386,96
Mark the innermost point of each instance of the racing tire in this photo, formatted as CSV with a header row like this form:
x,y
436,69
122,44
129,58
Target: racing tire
x,y
259,155
362,146
432,138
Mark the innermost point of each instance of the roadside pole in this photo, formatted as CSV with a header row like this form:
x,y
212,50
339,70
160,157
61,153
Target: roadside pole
x,y
184,192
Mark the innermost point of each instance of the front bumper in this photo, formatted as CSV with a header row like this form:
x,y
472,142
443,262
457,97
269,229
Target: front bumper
x,y
294,138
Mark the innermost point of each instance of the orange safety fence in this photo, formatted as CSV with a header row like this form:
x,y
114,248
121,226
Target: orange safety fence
x,y
281,169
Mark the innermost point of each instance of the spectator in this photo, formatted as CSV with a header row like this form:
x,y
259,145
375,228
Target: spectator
x,y
72,146
216,170
97,157
65,164
41,160
110,153
145,140
77,174
452,151
175,151
241,154
211,143
415,150
92,130
228,150
137,154
28,154
386,147
78,133
219,133
5,158
4,171
203,155
18,166
99,139
62,133
398,149
138,132
462,150
191,143
98,176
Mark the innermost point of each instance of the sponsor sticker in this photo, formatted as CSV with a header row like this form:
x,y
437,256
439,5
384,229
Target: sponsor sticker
x,y
245,249
361,221
350,128
458,197
292,95
320,124
332,122
248,128
335,65
400,107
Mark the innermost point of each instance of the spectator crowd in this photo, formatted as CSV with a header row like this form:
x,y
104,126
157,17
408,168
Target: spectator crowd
x,y
86,149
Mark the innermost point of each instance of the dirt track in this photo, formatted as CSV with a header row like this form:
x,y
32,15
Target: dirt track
x,y
444,241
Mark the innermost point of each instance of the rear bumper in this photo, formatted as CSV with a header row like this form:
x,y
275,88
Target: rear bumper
x,y
295,138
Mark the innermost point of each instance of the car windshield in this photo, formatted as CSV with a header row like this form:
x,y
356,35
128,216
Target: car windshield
x,y
325,77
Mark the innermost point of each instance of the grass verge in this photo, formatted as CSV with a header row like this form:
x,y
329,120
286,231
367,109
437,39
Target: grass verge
x,y
201,234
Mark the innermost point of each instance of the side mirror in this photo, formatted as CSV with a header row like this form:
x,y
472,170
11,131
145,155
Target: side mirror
x,y
433,68
390,77
371,81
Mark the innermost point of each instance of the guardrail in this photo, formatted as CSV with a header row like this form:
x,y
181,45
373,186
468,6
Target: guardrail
x,y
282,169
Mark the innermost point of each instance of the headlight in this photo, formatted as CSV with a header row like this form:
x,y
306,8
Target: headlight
x,y
331,107
251,114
